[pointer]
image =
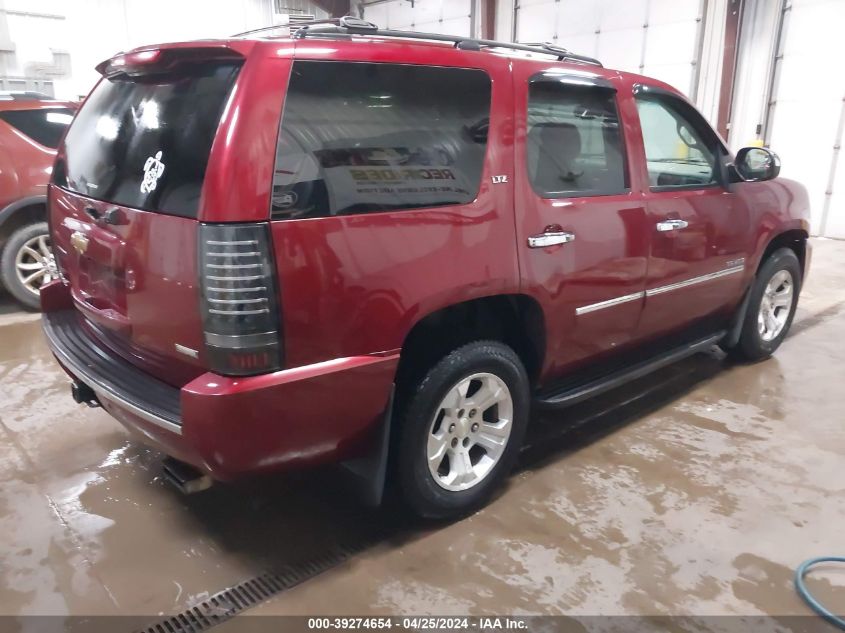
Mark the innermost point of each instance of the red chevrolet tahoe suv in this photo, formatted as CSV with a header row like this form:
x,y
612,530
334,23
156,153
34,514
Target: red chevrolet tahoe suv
x,y
383,248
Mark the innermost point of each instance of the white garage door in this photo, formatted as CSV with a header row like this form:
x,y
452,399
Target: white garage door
x,y
452,17
659,38
808,107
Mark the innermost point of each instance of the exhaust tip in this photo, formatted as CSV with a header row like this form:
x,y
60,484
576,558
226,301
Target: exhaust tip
x,y
184,477
83,394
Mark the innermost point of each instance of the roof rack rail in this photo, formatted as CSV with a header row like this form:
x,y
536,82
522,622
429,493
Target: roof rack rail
x,y
350,25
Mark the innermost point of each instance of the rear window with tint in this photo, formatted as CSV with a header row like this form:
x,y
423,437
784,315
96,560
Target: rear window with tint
x,y
366,137
44,126
144,142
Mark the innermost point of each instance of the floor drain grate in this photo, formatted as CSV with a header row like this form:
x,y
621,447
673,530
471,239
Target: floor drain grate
x,y
228,603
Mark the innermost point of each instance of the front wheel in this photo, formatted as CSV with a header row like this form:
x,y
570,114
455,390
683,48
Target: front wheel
x,y
771,306
461,430
27,263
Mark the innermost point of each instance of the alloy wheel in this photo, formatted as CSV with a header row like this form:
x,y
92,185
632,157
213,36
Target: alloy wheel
x,y
775,305
470,431
34,263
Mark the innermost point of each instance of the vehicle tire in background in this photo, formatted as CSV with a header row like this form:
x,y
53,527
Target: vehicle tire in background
x,y
460,430
24,263
771,306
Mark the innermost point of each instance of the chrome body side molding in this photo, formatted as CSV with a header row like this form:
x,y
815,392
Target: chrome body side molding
x,y
736,266
733,270
609,303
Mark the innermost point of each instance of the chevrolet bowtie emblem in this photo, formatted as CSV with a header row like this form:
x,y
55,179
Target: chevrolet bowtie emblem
x,y
79,242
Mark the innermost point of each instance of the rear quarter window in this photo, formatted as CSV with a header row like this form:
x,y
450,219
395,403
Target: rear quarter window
x,y
367,137
144,142
44,126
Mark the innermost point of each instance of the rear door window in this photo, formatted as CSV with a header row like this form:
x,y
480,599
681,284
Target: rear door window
x,y
574,141
44,126
368,137
143,142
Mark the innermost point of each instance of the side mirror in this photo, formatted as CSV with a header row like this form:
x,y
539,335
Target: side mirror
x,y
754,164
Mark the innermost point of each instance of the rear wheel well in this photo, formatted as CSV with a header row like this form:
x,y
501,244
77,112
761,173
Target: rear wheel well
x,y
796,240
35,212
515,320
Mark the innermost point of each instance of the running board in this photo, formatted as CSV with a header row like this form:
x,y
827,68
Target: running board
x,y
570,395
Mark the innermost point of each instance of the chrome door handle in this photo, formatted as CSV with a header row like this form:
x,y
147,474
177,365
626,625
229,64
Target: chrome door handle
x,y
672,225
550,238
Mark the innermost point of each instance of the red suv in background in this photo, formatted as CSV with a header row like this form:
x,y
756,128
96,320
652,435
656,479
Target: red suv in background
x,y
31,127
383,248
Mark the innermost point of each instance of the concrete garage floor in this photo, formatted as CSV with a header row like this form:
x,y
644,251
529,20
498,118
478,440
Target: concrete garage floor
x,y
696,491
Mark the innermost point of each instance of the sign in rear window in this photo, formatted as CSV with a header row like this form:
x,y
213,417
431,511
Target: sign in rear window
x,y
364,137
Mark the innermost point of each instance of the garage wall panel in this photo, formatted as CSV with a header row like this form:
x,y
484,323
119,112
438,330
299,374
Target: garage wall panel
x,y
456,9
378,14
450,17
405,16
669,53
655,37
835,224
577,18
455,26
673,11
537,22
617,48
621,33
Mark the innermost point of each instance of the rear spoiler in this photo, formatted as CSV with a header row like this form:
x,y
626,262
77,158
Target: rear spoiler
x,y
162,60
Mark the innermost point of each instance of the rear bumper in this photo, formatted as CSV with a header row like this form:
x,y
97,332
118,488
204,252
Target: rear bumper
x,y
230,427
115,381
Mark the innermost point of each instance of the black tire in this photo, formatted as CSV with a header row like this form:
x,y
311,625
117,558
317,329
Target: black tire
x,y
425,496
751,345
8,271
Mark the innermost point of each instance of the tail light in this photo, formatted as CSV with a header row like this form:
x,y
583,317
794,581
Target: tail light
x,y
239,299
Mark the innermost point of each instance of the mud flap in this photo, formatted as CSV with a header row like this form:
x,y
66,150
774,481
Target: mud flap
x,y
735,330
368,473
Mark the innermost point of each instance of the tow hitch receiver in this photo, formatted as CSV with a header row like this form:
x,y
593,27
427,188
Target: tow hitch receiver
x,y
184,477
83,394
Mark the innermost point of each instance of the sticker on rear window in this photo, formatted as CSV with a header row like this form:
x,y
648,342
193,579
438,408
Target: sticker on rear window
x,y
153,169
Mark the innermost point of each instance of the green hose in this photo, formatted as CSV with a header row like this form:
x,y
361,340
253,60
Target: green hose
x,y
814,604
